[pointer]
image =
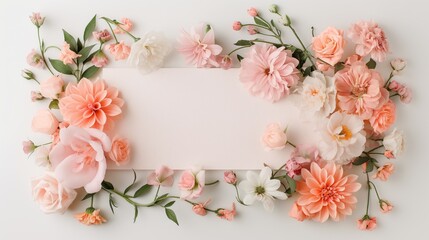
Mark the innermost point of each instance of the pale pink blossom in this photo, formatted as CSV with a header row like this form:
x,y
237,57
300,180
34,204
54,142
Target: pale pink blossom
x,y
37,19
302,157
119,50
394,143
52,87
253,12
102,36
230,177
192,183
200,209
252,30
384,172
162,176
67,55
227,214
36,96
125,25
274,137
367,223
224,61
236,26
56,135
383,118
35,59
100,59
78,160
269,72
398,64
360,90
385,206
44,122
328,47
28,146
199,47
404,92
120,152
370,40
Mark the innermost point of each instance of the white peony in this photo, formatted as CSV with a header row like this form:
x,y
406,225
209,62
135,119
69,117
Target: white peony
x,y
394,142
343,138
318,94
148,53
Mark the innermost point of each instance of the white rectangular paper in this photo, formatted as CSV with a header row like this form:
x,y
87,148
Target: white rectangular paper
x,y
182,117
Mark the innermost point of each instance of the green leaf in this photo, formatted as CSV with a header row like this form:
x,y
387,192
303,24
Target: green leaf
x,y
171,215
136,213
301,56
112,203
169,204
89,28
307,71
291,183
239,57
54,104
79,45
61,67
260,22
70,40
371,64
132,184
91,71
338,67
244,43
142,190
360,161
89,58
107,185
369,166
88,195
85,53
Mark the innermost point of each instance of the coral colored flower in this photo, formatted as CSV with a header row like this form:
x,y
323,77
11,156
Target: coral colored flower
x,y
199,208
225,61
269,72
78,160
227,214
352,59
394,142
252,30
326,193
120,50
162,176
102,36
230,177
52,87
44,122
236,26
120,152
35,59
125,25
297,213
37,20
329,47
199,47
274,137
370,39
384,117
360,90
367,223
389,154
253,12
192,183
91,104
51,195
90,217
384,172
28,146
67,55
100,59
385,206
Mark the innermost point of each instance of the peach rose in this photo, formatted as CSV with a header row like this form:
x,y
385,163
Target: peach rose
x,y
383,118
120,50
120,152
384,172
52,87
274,137
329,47
51,196
191,183
44,122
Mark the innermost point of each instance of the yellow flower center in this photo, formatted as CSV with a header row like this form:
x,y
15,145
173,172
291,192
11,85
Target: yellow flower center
x,y
345,133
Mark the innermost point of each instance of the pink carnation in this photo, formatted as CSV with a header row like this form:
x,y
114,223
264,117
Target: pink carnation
x,y
269,72
125,24
120,50
67,55
369,39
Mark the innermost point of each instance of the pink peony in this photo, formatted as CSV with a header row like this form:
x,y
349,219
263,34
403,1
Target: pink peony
x,y
384,172
369,39
67,55
120,152
125,24
367,223
163,176
120,50
52,87
199,48
360,90
383,118
227,214
102,36
35,59
44,122
269,72
329,47
100,59
91,105
78,159
191,183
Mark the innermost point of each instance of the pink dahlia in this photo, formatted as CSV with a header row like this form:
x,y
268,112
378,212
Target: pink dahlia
x,y
370,39
360,90
91,105
326,193
269,72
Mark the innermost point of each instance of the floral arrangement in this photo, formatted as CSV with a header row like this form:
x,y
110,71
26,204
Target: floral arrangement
x,y
353,103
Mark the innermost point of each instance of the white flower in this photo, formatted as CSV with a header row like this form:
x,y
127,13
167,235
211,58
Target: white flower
x,y
148,53
41,156
342,138
394,142
398,65
262,188
318,94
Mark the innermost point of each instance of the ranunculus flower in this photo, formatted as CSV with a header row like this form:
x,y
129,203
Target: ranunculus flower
x,y
78,160
274,137
384,172
37,20
52,87
90,104
394,142
67,55
44,122
35,59
120,152
227,214
162,176
119,50
199,47
102,36
199,208
329,47
367,223
370,39
100,59
360,90
90,217
384,117
125,24
51,195
148,53
230,177
269,72
191,183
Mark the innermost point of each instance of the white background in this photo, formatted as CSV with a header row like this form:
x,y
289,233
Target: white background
x,y
405,24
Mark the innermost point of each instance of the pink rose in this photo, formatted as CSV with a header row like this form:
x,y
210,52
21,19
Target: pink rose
x,y
191,183
227,214
119,50
163,176
200,209
297,213
51,195
35,59
52,87
67,55
102,36
293,168
78,160
370,39
329,47
125,24
236,26
120,152
100,59
44,122
230,177
252,12
274,137
225,62
383,118
367,223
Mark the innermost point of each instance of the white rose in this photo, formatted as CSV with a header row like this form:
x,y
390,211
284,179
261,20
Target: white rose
x,y
148,53
394,142
318,94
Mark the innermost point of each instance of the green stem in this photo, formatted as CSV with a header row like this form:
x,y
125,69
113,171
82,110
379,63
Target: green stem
x,y
212,183
92,201
388,80
302,44
42,52
278,170
293,145
111,29
156,194
238,196
394,95
238,49
376,191
370,151
55,47
108,20
369,191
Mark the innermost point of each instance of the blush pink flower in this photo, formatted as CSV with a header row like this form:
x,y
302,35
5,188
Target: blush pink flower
x,y
44,122
191,183
385,206
360,90
225,61
230,177
90,217
125,24
37,19
91,105
253,12
236,26
28,146
78,159
162,176
302,157
370,39
200,209
329,47
252,30
36,96
383,118
227,214
367,223
67,55
404,92
102,36
326,193
269,72
274,137
352,59
100,59
52,87
35,59
120,152
384,172
199,47
119,50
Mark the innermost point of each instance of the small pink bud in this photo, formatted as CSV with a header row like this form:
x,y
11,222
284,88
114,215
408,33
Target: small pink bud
x,y
28,146
389,154
385,206
237,26
252,12
36,96
230,177
367,223
224,61
37,20
252,30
